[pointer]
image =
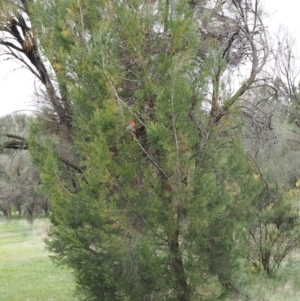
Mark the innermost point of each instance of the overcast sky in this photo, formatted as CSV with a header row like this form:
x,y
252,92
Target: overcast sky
x,y
16,88
17,84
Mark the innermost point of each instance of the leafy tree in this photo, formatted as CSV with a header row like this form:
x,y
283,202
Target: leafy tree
x,y
19,178
236,26
272,145
160,186
234,29
273,228
143,182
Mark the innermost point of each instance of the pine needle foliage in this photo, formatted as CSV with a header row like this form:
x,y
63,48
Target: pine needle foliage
x,y
151,211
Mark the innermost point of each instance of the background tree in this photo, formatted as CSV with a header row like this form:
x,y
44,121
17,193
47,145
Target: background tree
x,y
19,177
271,140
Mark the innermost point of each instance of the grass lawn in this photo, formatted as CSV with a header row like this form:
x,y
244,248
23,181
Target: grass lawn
x,y
26,272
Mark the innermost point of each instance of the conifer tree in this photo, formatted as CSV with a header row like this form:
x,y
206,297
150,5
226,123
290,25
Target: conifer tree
x,y
150,209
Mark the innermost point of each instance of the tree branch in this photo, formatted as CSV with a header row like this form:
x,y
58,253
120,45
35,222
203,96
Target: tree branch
x,y
15,137
22,144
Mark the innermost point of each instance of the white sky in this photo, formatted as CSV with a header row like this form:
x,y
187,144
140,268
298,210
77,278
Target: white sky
x,y
17,85
283,12
16,88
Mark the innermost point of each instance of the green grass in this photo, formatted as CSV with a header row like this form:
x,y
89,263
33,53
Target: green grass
x,y
26,271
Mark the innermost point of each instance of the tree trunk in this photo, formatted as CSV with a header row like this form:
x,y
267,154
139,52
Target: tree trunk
x,y
178,268
6,211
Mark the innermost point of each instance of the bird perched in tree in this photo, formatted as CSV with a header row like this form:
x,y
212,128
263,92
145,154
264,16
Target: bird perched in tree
x,y
130,126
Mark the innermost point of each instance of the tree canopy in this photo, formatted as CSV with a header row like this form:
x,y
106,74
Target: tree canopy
x,y
142,142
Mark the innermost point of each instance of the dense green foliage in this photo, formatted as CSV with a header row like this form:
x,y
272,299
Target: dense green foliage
x,y
153,211
161,178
